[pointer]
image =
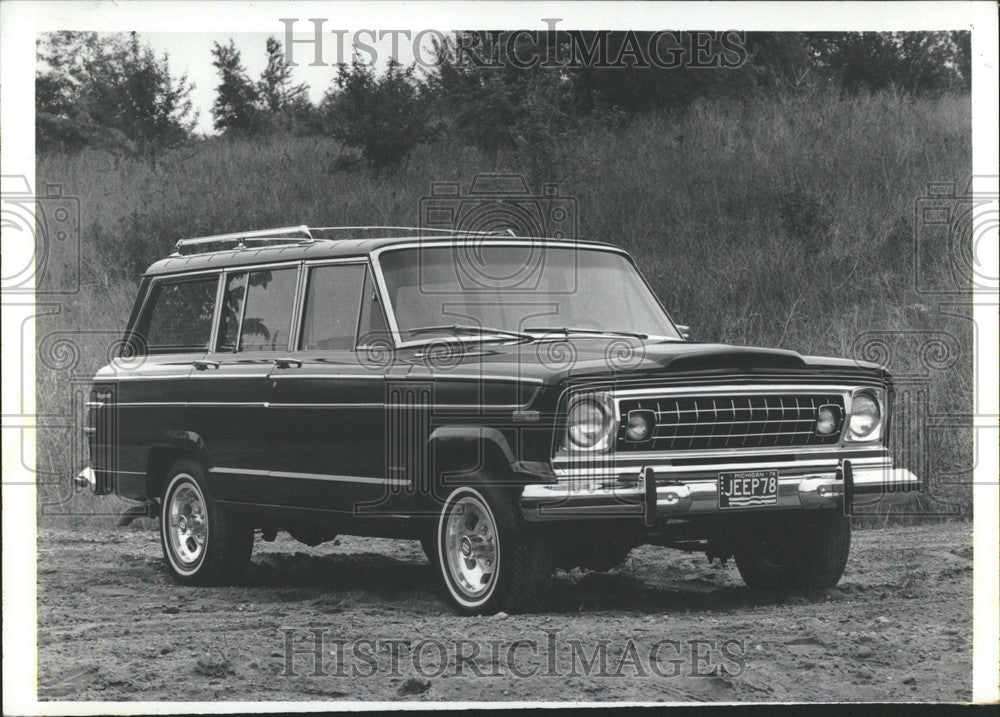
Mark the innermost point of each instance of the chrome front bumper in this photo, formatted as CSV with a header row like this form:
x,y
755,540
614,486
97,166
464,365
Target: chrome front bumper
x,y
665,494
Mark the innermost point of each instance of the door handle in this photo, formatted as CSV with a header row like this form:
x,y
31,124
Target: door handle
x,y
203,364
287,363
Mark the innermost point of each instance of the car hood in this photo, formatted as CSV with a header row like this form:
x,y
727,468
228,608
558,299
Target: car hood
x,y
553,361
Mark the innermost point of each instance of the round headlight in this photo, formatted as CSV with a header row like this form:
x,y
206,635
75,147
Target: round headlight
x,y
640,425
865,415
587,423
827,419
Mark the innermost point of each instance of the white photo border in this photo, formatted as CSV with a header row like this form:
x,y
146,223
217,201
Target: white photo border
x,y
22,20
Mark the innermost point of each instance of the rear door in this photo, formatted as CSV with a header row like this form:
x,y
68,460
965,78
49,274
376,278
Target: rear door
x,y
231,386
327,401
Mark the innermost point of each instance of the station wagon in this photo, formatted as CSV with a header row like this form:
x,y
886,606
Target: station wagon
x,y
516,404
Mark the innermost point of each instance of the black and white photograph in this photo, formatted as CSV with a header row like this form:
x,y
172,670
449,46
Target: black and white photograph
x,y
440,355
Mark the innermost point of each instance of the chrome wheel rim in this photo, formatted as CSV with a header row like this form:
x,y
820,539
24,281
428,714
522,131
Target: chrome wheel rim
x,y
471,546
187,524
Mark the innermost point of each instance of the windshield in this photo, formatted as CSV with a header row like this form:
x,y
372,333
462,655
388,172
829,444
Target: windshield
x,y
526,289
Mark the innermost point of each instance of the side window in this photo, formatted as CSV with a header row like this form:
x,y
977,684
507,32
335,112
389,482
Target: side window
x,y
267,316
372,328
330,319
178,316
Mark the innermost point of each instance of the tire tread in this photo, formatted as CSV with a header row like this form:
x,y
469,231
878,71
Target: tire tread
x,y
817,561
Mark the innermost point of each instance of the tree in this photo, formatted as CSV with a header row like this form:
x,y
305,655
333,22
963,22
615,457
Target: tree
x,y
962,41
59,113
384,116
275,89
236,102
913,62
497,108
284,106
135,93
109,91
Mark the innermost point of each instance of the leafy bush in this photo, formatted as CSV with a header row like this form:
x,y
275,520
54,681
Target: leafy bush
x,y
108,91
384,116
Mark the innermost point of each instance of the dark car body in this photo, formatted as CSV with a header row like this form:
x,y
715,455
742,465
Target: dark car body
x,y
367,437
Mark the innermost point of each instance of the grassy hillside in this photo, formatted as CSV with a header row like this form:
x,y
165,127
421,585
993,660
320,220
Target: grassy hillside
x,y
786,221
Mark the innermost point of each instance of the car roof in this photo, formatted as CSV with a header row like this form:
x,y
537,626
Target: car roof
x,y
315,249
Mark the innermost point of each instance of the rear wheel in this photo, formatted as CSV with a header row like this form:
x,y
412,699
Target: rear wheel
x,y
491,559
427,544
202,543
806,552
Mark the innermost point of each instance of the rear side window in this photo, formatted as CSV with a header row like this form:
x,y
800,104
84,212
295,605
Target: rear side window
x,y
333,300
267,316
178,316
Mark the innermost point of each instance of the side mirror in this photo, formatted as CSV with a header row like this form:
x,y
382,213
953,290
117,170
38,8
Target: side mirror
x,y
685,331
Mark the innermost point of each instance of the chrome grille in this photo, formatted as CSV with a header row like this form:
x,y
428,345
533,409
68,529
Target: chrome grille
x,y
730,421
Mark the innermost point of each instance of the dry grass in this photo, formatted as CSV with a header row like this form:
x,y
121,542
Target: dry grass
x,y
783,221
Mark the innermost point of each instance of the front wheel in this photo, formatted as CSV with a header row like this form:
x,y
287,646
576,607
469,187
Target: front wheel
x,y
804,553
491,559
202,543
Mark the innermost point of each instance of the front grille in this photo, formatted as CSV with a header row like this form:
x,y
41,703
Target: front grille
x,y
731,421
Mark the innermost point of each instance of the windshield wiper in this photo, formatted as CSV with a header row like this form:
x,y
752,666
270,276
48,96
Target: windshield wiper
x,y
469,329
567,330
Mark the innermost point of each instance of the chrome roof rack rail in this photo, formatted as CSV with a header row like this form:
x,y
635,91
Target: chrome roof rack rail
x,y
453,232
304,235
238,240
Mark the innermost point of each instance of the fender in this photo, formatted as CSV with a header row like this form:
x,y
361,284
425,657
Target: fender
x,y
169,447
456,450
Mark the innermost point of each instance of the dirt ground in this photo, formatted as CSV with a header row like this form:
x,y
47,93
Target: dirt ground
x,y
665,626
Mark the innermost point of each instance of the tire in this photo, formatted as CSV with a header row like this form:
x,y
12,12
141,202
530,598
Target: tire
x,y
490,558
808,554
602,558
202,543
427,543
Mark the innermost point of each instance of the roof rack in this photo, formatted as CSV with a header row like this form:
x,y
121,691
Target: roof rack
x,y
304,235
238,240
454,232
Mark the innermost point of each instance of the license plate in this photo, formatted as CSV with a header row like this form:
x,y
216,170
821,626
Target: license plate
x,y
748,489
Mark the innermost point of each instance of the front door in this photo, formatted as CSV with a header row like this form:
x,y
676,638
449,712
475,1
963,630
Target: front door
x,y
327,399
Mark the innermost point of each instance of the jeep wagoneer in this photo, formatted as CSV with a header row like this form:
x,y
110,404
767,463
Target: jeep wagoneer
x,y
516,404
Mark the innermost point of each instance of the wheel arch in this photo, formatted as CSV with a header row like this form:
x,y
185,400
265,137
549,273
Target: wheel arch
x,y
458,449
171,448
462,454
